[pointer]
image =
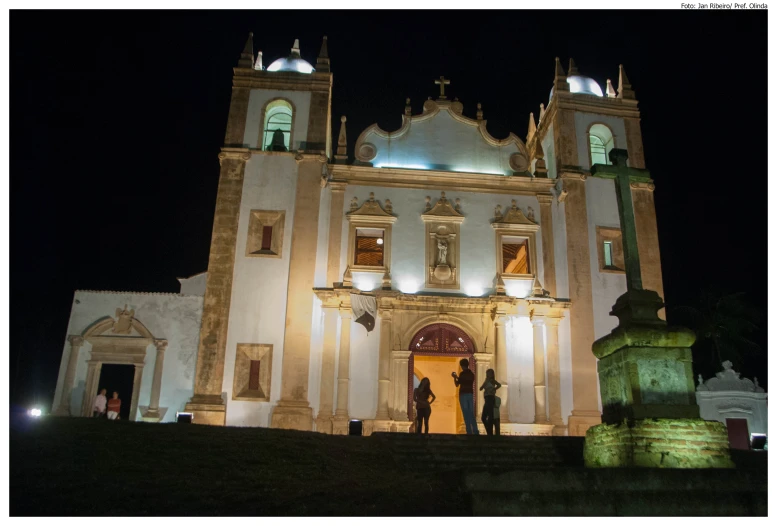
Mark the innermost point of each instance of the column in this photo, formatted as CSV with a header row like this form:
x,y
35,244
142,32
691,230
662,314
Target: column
x,y
384,364
540,407
585,381
500,333
326,393
93,370
647,239
548,250
482,364
76,342
400,361
341,413
206,402
554,374
335,233
156,383
136,392
293,410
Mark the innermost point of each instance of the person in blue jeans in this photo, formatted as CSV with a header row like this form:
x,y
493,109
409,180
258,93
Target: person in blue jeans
x,y
465,382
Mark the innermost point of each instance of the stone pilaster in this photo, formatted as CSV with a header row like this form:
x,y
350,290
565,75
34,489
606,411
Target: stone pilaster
x,y
76,342
136,393
335,232
554,375
384,364
585,411
93,370
500,332
207,404
399,363
156,383
340,425
293,410
548,250
326,393
540,389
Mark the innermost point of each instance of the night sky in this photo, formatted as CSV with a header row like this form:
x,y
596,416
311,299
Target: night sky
x,y
117,119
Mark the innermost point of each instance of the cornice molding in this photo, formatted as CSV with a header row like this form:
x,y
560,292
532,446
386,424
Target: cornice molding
x,y
281,80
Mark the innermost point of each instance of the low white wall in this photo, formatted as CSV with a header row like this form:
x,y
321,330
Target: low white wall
x,y
174,317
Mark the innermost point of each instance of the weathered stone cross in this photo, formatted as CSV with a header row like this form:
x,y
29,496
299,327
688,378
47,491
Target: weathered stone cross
x,y
442,83
622,175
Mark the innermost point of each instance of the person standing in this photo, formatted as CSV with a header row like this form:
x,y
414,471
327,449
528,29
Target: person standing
x,y
497,420
489,387
464,382
114,406
98,407
423,406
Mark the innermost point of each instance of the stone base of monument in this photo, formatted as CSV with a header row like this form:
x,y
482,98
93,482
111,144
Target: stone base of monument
x,y
649,412
658,443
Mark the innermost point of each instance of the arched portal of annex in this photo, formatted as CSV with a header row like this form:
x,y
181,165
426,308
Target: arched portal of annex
x,y
128,344
443,340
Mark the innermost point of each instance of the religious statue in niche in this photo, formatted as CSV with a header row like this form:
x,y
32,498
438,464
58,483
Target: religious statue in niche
x,y
442,222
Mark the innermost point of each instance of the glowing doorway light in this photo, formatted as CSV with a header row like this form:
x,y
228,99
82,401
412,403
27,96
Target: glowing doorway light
x,y
35,412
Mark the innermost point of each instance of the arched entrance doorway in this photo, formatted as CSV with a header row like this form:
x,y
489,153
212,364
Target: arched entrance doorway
x,y
435,353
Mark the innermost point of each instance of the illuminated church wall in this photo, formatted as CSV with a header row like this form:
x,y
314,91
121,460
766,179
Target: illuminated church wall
x,y
478,241
583,122
602,208
258,305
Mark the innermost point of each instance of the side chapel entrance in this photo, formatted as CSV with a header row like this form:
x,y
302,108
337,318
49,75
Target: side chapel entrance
x,y
435,353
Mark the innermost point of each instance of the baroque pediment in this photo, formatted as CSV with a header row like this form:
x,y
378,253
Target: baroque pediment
x,y
442,139
371,209
514,217
728,380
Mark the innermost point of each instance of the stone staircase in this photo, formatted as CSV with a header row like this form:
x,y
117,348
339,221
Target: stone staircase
x,y
440,452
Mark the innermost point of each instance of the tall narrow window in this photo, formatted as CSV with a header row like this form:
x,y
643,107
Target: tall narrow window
x,y
600,142
276,135
515,255
253,375
266,237
608,254
369,247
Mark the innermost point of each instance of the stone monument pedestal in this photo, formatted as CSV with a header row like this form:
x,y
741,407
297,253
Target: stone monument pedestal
x,y
649,412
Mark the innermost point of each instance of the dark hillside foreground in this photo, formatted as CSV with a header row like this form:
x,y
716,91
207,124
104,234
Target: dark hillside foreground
x,y
80,466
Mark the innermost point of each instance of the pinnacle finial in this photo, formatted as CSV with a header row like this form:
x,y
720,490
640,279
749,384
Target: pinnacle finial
x,y
610,90
572,67
559,70
342,144
532,128
540,168
560,79
322,62
295,49
258,64
247,56
624,86
542,110
480,112
407,107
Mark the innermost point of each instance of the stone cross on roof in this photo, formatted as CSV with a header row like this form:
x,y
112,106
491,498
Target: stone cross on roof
x,y
442,83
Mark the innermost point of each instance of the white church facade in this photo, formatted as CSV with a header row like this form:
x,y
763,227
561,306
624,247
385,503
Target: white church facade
x,y
335,284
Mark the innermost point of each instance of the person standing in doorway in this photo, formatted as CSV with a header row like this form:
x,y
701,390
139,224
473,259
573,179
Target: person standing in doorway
x,y
423,406
497,420
464,382
114,406
489,387
98,407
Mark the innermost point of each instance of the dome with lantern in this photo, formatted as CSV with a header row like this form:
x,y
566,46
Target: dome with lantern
x,y
294,62
580,83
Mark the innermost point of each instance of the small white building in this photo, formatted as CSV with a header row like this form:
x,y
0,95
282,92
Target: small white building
x,y
335,283
740,403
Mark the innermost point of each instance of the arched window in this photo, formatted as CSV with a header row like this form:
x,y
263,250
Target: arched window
x,y
277,117
600,142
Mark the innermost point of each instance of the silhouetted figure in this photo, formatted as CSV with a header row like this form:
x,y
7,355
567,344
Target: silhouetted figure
x,y
423,406
464,382
489,387
98,407
114,406
497,420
